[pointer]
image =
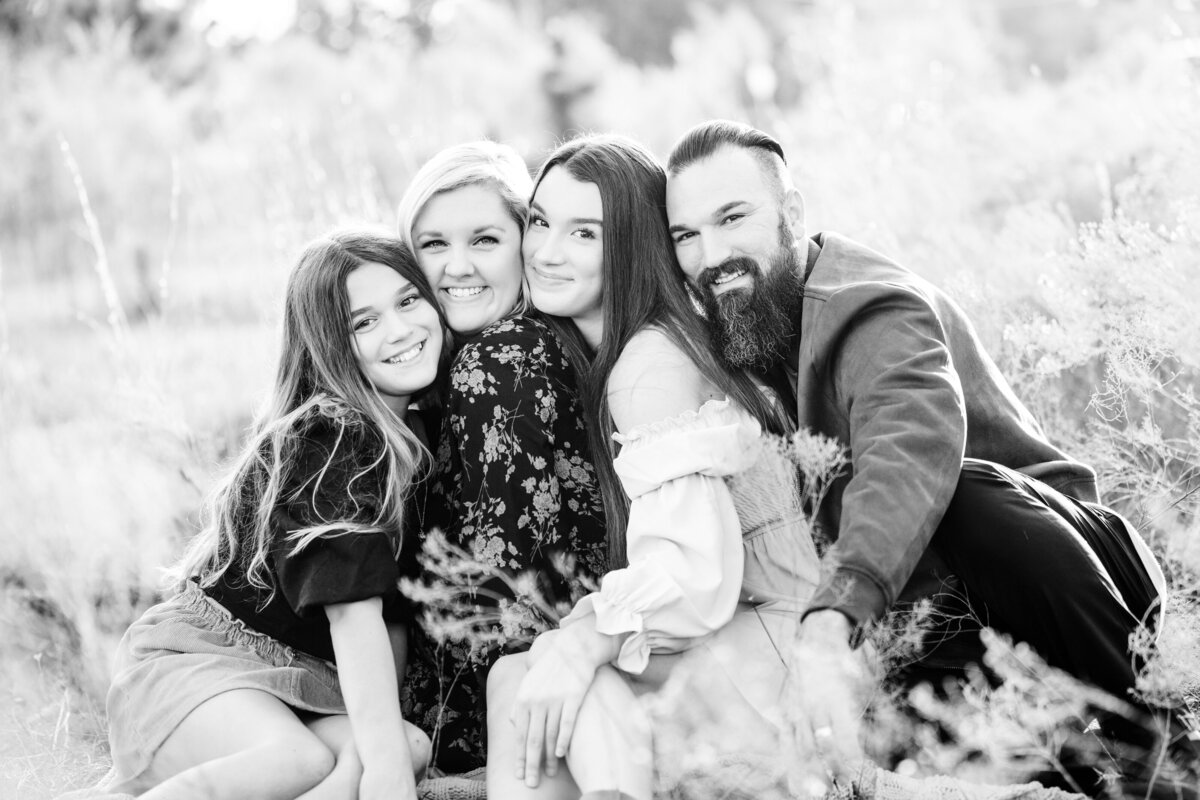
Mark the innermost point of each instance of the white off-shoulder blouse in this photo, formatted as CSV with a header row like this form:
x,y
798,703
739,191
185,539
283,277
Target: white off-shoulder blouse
x,y
715,518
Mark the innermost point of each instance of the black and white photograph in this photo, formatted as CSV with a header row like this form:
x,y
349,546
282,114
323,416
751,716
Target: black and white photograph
x,y
599,400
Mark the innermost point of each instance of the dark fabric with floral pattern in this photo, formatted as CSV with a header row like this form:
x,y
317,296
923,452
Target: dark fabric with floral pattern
x,y
514,487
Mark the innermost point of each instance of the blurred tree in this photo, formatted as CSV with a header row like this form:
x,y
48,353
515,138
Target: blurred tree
x,y
155,28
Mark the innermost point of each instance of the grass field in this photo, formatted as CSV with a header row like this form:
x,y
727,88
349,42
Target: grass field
x,y
147,224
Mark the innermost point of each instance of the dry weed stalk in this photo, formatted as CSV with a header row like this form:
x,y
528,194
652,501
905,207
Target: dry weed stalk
x,y
116,319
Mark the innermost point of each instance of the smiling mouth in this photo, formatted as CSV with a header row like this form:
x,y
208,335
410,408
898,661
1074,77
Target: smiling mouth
x,y
548,276
464,292
726,277
405,356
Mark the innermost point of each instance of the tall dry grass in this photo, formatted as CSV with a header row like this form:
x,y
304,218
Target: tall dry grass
x,y
1049,184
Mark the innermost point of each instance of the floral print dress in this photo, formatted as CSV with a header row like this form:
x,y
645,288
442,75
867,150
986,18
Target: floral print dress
x,y
515,495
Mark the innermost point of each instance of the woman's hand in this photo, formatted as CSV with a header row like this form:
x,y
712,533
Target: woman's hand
x,y
562,665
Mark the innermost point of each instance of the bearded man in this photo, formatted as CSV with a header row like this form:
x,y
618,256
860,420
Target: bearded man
x,y
951,478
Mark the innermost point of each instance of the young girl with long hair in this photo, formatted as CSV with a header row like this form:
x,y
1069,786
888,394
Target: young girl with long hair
x,y
229,688
709,573
513,483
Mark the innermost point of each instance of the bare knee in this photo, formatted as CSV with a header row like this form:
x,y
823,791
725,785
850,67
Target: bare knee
x,y
505,678
420,749
309,760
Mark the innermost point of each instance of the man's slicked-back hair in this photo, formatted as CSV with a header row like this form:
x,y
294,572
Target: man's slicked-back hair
x,y
709,137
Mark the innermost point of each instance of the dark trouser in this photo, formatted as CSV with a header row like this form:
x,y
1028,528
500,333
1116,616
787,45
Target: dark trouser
x,y
1057,573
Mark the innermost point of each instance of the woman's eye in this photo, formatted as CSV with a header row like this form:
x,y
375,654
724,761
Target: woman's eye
x,y
585,233
432,244
408,300
537,222
363,324
487,241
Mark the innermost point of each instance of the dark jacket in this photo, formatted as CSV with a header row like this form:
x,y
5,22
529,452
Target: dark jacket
x,y
891,368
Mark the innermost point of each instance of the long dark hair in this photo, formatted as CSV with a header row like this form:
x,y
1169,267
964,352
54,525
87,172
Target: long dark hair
x,y
642,286
317,375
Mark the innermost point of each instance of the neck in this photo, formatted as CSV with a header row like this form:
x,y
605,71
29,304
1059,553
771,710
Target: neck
x,y
398,405
592,328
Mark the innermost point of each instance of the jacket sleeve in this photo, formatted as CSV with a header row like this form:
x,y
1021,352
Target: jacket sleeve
x,y
889,368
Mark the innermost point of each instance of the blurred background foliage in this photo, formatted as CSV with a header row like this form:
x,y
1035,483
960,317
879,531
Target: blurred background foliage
x,y
164,160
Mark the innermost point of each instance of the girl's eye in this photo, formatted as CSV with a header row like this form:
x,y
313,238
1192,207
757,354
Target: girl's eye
x,y
363,323
536,221
585,233
409,300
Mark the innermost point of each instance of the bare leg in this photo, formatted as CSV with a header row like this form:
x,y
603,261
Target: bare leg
x,y
610,749
342,783
240,745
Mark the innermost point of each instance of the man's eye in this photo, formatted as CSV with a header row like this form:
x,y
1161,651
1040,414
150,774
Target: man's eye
x,y
733,218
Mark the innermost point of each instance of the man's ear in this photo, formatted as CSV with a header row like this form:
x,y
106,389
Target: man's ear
x,y
793,212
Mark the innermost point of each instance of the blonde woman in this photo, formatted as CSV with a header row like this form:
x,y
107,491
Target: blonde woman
x,y
513,482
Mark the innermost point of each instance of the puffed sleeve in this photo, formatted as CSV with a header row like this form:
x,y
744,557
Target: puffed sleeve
x,y
683,540
336,486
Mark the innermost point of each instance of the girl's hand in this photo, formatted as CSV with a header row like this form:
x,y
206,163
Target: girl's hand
x,y
561,669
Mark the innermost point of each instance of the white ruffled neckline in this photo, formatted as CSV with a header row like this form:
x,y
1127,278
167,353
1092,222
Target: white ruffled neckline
x,y
714,413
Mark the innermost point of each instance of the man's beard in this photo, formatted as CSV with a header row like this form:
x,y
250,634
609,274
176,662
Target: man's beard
x,y
752,328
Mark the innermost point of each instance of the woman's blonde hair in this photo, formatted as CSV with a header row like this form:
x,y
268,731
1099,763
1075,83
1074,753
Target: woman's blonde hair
x,y
318,378
482,163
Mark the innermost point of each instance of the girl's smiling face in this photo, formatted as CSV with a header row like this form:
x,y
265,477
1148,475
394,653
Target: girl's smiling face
x,y
564,251
469,247
396,332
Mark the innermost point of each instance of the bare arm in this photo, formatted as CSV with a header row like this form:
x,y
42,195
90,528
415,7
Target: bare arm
x,y
367,671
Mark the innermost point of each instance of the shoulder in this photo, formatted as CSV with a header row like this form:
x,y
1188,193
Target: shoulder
x,y
507,345
654,379
334,438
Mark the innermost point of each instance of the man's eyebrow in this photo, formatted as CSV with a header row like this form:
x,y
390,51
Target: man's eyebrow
x,y
726,208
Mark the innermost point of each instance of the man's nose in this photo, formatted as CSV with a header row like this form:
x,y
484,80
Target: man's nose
x,y
714,249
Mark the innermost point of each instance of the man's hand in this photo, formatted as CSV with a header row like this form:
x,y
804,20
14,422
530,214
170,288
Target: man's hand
x,y
828,683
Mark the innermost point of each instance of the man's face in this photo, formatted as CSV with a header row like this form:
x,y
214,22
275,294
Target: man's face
x,y
735,238
725,216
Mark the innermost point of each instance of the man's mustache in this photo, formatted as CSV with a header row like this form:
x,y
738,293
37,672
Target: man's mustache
x,y
734,264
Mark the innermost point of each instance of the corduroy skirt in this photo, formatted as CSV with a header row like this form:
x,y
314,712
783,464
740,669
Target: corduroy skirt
x,y
189,649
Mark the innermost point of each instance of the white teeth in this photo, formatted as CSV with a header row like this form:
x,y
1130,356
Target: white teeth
x,y
407,355
461,292
727,277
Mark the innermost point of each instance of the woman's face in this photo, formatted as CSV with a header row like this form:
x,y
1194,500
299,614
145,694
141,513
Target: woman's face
x,y
564,251
469,247
396,332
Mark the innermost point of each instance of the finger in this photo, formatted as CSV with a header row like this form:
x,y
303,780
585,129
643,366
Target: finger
x,y
520,720
812,775
552,733
566,727
533,748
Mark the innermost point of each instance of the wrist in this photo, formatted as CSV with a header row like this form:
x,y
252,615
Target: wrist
x,y
828,625
596,648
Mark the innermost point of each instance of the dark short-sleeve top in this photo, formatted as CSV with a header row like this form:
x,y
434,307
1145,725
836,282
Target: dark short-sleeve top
x,y
336,478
